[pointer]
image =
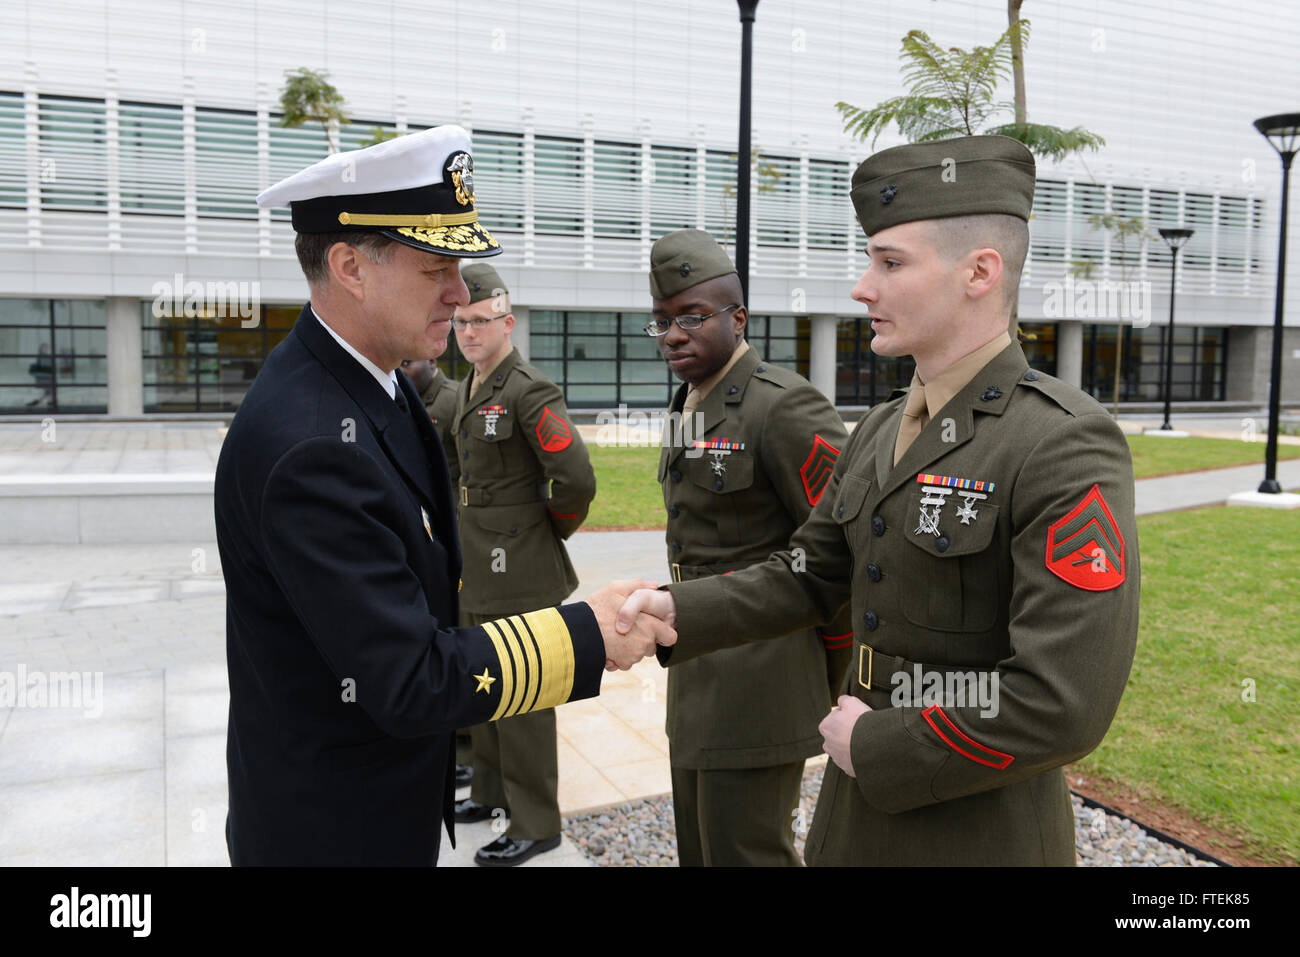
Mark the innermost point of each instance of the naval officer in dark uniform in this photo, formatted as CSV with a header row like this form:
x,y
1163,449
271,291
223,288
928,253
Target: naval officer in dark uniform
x,y
334,519
981,528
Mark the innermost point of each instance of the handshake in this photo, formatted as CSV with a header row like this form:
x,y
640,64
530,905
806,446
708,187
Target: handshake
x,y
634,619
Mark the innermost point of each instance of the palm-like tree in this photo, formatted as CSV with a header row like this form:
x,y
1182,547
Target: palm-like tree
x,y
953,92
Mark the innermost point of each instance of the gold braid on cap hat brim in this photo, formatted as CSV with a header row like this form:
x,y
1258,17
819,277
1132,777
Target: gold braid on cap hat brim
x,y
429,220
473,239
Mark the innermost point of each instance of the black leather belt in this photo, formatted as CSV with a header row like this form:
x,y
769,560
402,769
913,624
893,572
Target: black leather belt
x,y
479,497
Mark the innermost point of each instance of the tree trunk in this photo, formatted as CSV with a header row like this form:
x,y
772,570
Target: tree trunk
x,y
1017,62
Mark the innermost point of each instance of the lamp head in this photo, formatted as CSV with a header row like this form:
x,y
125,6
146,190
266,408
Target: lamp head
x,y
1282,131
1176,238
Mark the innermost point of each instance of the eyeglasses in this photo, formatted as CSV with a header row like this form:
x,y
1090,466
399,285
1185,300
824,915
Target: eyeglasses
x,y
478,324
659,327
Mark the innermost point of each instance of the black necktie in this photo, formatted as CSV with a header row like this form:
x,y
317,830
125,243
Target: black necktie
x,y
401,401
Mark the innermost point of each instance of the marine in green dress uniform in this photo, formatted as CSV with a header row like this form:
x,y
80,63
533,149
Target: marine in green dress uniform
x,y
981,528
748,453
525,485
439,396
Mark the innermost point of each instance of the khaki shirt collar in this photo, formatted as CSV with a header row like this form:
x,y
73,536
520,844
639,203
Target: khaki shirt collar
x,y
940,390
702,390
478,380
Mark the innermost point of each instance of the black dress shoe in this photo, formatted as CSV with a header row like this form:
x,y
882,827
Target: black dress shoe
x,y
468,811
507,852
464,775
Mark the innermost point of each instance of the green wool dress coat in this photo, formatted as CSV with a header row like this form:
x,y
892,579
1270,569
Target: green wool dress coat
x,y
1000,553
738,478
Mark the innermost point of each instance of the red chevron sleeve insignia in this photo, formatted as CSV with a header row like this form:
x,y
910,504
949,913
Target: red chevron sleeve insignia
x,y
817,468
553,432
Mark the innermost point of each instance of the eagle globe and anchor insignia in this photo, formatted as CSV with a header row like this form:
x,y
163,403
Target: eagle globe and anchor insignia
x,y
461,170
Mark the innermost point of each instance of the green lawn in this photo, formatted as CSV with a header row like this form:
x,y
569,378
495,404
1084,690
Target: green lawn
x,y
627,488
1156,456
1220,610
628,495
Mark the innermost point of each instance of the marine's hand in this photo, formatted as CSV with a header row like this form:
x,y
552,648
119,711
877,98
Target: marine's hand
x,y
648,601
837,732
625,646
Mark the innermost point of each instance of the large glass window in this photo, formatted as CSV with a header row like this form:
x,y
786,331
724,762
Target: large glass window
x,y
1199,362
206,362
226,163
781,339
672,189
861,376
53,356
616,190
828,198
558,184
499,179
600,358
72,153
152,159
1038,340
13,151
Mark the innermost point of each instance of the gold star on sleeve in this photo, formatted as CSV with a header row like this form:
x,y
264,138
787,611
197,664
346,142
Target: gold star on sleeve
x,y
484,682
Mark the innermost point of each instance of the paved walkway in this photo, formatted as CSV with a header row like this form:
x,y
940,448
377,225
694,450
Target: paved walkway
x,y
135,772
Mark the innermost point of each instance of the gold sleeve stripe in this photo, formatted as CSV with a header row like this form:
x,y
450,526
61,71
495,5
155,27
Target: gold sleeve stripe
x,y
528,653
555,648
535,652
506,661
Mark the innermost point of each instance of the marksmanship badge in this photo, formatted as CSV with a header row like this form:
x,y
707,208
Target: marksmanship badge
x,y
937,490
491,413
719,449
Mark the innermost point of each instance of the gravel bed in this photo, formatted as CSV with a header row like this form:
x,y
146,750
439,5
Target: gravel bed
x,y
640,834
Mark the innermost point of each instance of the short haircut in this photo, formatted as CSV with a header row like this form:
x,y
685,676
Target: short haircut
x,y
955,236
313,251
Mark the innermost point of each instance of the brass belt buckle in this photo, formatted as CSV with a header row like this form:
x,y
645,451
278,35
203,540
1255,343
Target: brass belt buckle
x,y
865,652
677,571
464,495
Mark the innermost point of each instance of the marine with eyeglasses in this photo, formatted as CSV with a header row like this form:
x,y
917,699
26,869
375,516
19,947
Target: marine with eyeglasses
x,y
526,483
749,450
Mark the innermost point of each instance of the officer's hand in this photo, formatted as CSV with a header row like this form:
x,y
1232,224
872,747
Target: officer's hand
x,y
625,646
837,732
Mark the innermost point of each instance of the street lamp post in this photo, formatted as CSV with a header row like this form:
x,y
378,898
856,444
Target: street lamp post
x,y
1175,239
748,11
1283,133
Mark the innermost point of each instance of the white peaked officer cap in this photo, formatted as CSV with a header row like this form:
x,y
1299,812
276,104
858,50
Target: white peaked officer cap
x,y
416,189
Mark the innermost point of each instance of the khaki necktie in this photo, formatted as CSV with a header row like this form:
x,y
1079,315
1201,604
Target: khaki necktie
x,y
691,402
915,417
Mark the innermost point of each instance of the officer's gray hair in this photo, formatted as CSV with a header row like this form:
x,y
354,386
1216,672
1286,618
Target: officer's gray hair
x,y
955,236
313,251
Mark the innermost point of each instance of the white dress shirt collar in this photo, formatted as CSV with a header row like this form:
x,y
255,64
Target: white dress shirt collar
x,y
387,380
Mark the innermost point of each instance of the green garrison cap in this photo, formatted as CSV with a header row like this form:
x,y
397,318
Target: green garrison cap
x,y
965,176
483,282
683,259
